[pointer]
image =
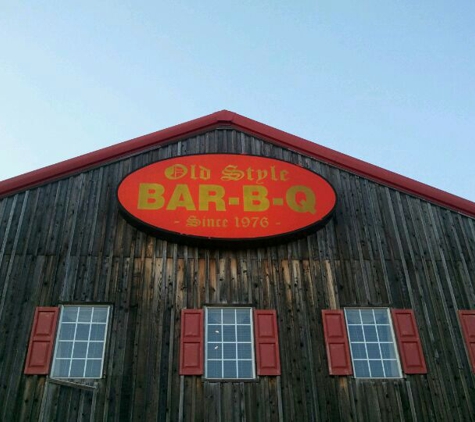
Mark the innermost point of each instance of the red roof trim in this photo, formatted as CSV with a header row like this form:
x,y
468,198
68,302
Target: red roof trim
x,y
228,118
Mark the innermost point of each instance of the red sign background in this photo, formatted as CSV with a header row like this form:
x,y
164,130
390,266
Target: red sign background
x,y
226,197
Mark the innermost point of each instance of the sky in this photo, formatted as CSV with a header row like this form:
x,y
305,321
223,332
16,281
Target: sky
x,y
389,82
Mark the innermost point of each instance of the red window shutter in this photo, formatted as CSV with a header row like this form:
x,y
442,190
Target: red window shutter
x,y
467,320
40,349
191,343
336,340
409,342
266,337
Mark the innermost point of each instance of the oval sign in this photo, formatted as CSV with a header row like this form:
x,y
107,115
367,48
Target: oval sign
x,y
226,198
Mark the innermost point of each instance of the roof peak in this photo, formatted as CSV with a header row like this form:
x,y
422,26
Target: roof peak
x,y
244,124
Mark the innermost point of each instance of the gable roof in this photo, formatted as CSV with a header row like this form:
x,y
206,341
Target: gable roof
x,y
228,119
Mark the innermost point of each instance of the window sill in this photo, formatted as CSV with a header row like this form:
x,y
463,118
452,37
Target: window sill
x,y
75,383
236,380
378,379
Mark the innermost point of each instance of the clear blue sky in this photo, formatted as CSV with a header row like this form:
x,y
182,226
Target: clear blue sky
x,y
389,82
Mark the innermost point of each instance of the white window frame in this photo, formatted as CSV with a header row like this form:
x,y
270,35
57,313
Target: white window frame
x,y
378,342
88,342
251,342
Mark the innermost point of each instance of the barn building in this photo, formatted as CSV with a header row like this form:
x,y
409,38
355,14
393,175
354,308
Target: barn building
x,y
224,270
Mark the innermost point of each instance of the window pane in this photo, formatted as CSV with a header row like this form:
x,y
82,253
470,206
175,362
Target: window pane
x,y
381,316
391,368
244,351
77,368
376,368
356,333
66,331
387,351
93,369
214,316
358,350
243,333
214,369
361,368
370,333
384,332
353,316
245,369
230,370
100,315
61,368
215,351
85,314
82,331
229,333
98,331
69,314
367,316
80,349
228,316
214,332
243,316
65,349
229,351
373,351
95,350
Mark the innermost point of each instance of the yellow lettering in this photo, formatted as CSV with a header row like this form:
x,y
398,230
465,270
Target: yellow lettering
x,y
150,196
177,171
231,173
306,204
212,193
284,175
255,198
261,175
250,170
181,197
192,221
203,173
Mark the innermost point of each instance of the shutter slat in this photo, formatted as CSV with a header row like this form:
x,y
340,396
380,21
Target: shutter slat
x,y
267,342
336,341
467,322
409,342
40,348
191,342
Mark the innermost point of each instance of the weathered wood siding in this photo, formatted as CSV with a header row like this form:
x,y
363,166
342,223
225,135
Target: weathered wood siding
x,y
66,242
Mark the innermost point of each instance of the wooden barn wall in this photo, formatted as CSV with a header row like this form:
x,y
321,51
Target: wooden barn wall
x,y
66,242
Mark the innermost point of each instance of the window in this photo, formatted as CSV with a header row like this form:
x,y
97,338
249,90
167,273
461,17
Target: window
x,y
229,343
229,348
372,343
80,343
